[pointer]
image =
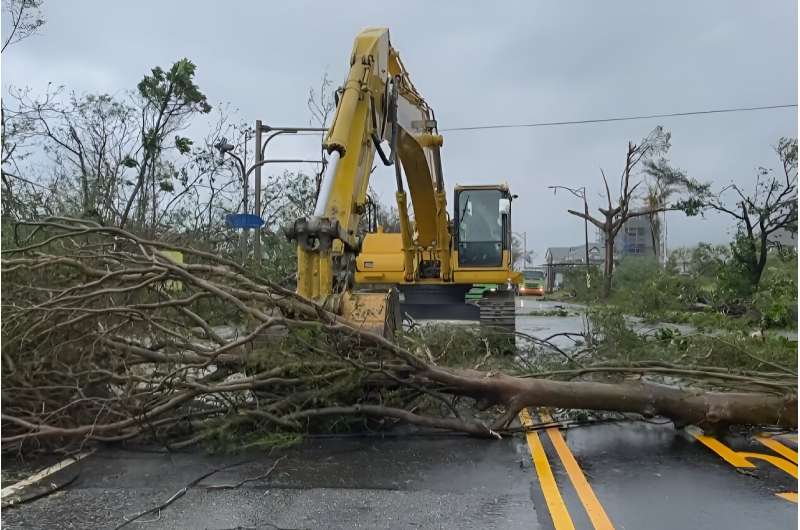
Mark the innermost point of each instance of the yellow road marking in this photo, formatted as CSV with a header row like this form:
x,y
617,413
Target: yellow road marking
x,y
741,458
729,455
593,507
555,504
778,447
790,496
781,463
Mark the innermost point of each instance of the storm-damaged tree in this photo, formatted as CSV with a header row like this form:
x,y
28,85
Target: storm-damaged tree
x,y
764,214
92,143
20,195
666,179
168,99
85,139
664,182
23,19
114,346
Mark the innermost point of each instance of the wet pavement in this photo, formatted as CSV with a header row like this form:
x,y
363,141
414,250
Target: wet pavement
x,y
656,477
643,476
403,482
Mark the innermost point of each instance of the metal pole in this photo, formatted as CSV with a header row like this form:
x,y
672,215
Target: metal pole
x,y
586,238
524,250
257,238
245,200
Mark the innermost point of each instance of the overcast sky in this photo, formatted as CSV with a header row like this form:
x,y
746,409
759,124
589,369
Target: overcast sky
x,y
503,62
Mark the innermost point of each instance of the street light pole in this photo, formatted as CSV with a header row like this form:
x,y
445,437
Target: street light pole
x,y
261,148
581,194
258,155
524,250
226,148
586,236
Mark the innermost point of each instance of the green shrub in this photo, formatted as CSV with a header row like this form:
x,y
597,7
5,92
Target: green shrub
x,y
610,325
776,299
575,283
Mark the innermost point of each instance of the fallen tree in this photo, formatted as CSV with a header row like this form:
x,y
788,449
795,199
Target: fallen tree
x,y
107,336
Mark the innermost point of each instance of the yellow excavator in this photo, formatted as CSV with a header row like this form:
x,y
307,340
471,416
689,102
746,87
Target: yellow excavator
x,y
427,269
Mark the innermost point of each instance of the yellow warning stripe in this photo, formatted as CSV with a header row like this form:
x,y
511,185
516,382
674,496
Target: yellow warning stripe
x,y
778,447
555,503
597,515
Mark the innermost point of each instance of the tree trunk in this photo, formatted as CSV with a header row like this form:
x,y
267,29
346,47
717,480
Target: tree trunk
x,y
608,267
683,406
761,262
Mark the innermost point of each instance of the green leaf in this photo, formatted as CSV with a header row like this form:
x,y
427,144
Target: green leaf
x,y
183,144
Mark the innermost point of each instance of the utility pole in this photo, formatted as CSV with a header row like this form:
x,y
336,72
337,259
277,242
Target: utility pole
x,y
245,201
586,239
258,164
524,250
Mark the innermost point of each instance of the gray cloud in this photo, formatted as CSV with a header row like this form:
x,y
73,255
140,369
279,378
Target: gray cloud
x,y
476,64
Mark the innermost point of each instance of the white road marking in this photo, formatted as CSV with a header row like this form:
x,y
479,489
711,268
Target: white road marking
x,y
16,487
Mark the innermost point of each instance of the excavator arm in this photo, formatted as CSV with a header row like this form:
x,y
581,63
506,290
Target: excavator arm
x,y
377,105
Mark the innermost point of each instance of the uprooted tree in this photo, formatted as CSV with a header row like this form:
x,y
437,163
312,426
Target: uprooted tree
x,y
106,337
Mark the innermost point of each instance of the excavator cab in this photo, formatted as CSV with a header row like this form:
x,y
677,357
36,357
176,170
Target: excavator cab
x,y
483,221
482,244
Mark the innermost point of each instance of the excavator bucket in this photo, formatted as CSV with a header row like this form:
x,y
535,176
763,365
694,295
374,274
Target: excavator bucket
x,y
376,312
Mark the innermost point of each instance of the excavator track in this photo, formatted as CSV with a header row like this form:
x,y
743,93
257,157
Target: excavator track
x,y
498,320
498,311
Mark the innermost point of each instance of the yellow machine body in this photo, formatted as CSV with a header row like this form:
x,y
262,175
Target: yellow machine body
x,y
378,105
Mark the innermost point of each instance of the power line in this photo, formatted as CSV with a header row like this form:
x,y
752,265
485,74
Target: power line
x,y
619,118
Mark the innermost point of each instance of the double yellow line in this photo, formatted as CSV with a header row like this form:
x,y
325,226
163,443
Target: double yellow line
x,y
555,503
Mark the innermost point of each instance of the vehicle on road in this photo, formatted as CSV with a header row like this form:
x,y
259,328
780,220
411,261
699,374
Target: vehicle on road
x,y
532,283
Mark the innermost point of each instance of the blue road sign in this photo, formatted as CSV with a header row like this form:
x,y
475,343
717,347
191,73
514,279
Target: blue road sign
x,y
244,220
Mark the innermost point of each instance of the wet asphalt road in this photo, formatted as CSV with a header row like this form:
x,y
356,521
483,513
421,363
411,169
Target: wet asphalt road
x,y
644,476
408,482
656,477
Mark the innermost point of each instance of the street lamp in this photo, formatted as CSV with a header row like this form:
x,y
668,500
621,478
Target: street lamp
x,y
581,194
224,147
260,150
